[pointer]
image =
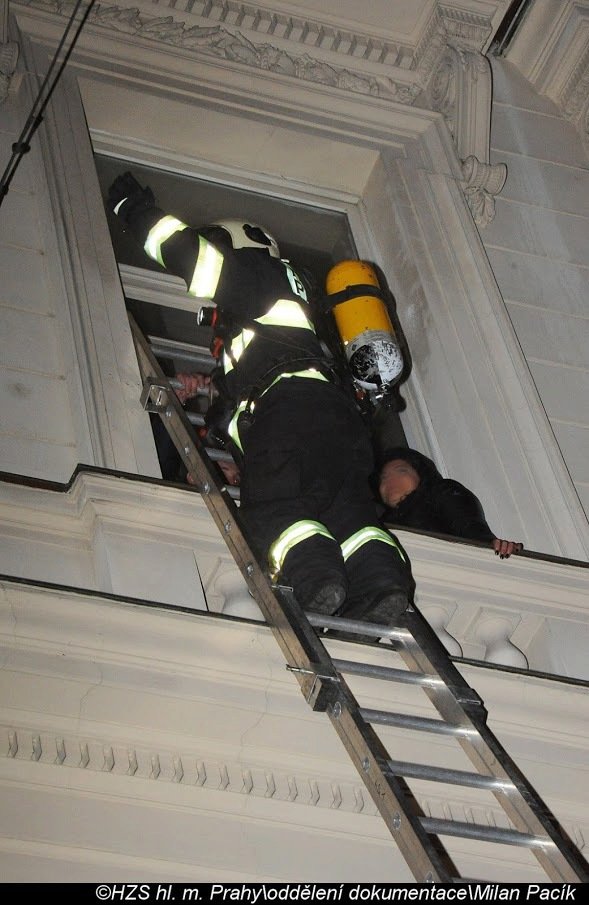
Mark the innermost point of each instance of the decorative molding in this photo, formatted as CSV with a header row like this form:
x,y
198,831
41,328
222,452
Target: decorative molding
x,y
101,516
575,99
193,705
9,51
449,25
298,30
237,28
235,47
552,51
190,769
482,181
37,745
461,90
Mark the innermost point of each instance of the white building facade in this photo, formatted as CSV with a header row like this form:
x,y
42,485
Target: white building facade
x,y
146,732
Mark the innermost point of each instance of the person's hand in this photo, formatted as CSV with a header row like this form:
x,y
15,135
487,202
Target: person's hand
x,y
191,384
126,186
504,548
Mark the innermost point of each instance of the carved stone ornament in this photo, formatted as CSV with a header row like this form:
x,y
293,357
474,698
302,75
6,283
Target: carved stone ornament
x,y
576,106
8,60
461,90
234,46
8,53
481,182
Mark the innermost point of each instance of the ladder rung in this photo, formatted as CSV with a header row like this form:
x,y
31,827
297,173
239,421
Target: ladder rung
x,y
478,831
406,721
389,673
171,348
178,385
359,628
218,455
453,777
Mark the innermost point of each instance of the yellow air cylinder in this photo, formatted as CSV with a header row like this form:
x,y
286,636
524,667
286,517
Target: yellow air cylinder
x,y
365,327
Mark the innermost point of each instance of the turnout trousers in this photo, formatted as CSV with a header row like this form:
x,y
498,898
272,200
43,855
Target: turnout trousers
x,y
305,495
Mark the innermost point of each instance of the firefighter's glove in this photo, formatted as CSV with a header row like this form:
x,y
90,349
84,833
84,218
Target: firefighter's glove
x,y
135,198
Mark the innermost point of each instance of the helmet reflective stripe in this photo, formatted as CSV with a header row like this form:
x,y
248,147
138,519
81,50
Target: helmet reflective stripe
x,y
363,536
249,235
158,234
118,206
207,271
292,536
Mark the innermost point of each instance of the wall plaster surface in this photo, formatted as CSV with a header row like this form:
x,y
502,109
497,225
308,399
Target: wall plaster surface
x,y
190,723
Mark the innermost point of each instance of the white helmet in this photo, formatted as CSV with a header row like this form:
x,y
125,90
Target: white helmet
x,y
249,235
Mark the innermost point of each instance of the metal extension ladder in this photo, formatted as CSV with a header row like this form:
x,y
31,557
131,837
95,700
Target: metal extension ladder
x,y
462,715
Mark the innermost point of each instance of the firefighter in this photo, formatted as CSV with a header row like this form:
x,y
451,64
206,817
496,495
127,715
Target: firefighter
x,y
306,455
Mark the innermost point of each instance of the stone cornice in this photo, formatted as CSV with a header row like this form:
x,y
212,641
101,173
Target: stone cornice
x,y
325,57
206,720
481,607
467,30
194,36
302,48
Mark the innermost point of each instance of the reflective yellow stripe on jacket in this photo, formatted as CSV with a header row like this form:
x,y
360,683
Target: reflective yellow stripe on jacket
x,y
209,262
283,313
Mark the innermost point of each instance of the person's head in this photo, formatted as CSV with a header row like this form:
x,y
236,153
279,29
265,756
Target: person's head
x,y
242,234
397,479
401,470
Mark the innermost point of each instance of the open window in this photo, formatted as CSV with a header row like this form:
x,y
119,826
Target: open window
x,y
312,238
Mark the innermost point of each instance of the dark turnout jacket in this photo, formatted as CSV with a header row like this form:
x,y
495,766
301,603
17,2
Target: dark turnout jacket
x,y
438,504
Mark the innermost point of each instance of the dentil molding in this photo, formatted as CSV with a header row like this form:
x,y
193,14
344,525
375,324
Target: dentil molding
x,y
445,70
294,46
92,657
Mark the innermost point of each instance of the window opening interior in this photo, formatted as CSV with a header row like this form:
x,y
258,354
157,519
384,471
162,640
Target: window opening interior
x,y
310,237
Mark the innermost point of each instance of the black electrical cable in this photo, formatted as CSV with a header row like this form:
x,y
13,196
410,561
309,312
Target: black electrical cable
x,y
508,27
35,118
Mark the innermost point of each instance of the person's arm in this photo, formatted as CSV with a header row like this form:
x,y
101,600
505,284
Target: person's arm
x,y
166,239
464,516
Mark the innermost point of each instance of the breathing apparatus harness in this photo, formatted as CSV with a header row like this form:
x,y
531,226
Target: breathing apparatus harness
x,y
227,327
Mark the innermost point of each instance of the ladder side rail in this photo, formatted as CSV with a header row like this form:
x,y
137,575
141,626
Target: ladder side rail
x,y
562,860
424,852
